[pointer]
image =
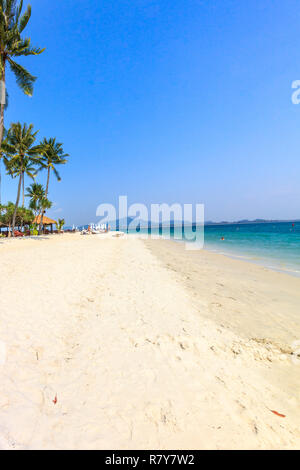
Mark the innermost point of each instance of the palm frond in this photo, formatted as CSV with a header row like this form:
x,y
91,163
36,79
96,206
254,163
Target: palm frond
x,y
10,8
56,174
25,17
23,47
13,22
29,51
7,148
24,79
20,154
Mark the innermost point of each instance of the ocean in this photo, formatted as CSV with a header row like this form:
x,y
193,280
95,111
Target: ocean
x,y
273,245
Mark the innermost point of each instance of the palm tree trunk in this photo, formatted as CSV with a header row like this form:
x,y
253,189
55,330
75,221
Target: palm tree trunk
x,y
23,191
17,204
46,194
41,221
2,126
1,138
47,185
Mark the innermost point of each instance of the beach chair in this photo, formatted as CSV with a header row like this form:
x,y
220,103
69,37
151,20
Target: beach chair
x,y
18,234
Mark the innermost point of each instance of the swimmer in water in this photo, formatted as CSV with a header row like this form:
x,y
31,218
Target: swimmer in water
x,y
222,238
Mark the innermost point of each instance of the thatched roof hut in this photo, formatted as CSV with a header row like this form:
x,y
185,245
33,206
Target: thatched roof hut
x,y
46,221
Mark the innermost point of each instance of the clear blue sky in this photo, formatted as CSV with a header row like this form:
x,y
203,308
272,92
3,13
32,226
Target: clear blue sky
x,y
168,101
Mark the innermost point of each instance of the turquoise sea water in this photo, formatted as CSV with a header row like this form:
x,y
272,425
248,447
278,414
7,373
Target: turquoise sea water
x,y
274,245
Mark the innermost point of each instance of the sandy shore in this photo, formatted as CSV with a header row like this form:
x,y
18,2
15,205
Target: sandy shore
x,y
115,343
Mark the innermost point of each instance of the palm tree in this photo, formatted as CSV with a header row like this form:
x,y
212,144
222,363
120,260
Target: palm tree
x,y
12,25
59,224
52,155
20,156
35,192
2,209
44,205
38,201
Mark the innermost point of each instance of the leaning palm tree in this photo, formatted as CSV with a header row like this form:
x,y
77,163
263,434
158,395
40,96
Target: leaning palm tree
x,y
12,25
20,156
52,156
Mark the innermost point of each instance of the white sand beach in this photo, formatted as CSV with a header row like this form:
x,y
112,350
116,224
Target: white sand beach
x,y
120,343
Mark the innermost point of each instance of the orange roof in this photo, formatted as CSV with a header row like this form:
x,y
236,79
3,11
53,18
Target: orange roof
x,y
46,220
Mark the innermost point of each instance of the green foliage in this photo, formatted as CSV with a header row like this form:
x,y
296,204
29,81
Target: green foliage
x,y
33,229
23,217
52,155
18,145
35,192
19,154
38,201
12,25
7,213
59,224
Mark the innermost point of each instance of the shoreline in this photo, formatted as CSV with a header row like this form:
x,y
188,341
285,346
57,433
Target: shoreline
x,y
257,261
246,257
190,263
120,343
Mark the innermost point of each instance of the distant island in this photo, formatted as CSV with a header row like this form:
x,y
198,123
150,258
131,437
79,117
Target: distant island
x,y
125,222
246,221
120,224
